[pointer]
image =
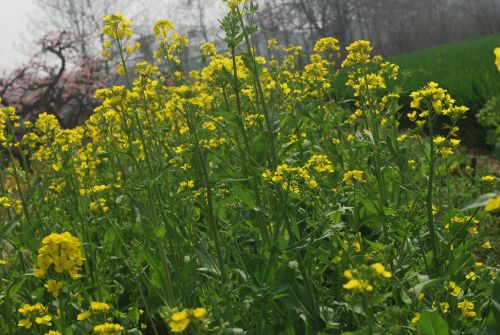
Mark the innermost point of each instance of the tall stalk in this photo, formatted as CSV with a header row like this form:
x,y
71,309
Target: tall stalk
x,y
212,221
429,199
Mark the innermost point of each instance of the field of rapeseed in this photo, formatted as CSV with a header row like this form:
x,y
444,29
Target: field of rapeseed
x,y
243,199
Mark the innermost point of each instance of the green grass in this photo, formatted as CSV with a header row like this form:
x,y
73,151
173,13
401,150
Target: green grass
x,y
467,69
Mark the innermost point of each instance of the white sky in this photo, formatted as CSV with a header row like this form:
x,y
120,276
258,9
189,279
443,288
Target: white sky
x,y
17,31
14,30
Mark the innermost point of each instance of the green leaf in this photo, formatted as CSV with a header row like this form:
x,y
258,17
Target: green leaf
x,y
479,202
159,232
334,216
431,323
493,320
6,228
17,285
424,281
369,206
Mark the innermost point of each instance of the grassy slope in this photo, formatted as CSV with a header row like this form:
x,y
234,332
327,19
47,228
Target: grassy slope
x,y
465,68
468,71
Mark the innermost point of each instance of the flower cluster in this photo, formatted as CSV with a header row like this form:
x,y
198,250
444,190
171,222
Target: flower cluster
x,y
34,313
467,308
358,54
108,329
171,42
179,321
290,176
352,175
8,119
117,27
96,308
10,203
432,97
359,279
208,49
62,251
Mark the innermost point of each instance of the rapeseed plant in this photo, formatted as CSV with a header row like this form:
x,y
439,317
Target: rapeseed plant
x,y
244,187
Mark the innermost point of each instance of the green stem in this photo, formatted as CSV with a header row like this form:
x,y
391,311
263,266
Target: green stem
x,y
429,200
211,217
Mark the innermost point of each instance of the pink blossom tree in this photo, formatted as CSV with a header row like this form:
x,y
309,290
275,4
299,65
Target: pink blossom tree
x,y
57,80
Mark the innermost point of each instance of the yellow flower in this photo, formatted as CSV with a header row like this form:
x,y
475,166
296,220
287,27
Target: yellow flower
x,y
162,28
24,323
488,179
445,152
471,276
492,204
53,287
438,98
233,4
402,137
467,308
444,307
170,42
179,321
200,313
99,307
359,54
380,270
421,123
10,203
286,90
117,27
454,288
349,176
487,245
415,319
53,332
412,164
44,320
358,285
120,69
472,230
319,163
210,126
130,49
412,116
313,184
108,329
439,140
36,308
208,49
326,44
63,252
3,262
83,316
95,308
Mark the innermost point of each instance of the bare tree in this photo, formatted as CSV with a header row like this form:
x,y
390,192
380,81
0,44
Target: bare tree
x,y
81,18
